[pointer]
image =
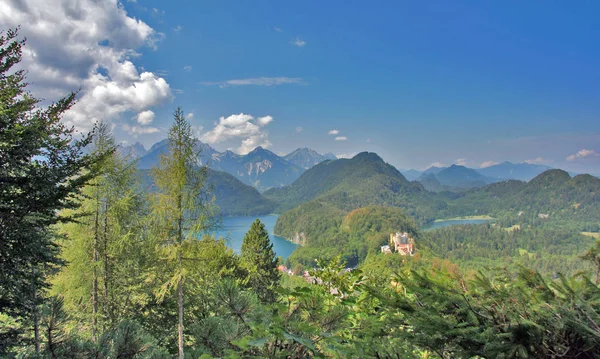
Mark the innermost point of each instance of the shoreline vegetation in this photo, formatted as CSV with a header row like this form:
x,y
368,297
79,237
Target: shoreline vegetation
x,y
483,217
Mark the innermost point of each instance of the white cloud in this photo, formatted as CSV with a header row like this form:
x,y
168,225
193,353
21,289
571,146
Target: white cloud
x,y
583,154
333,132
263,121
299,129
177,28
278,29
189,116
197,130
299,42
188,68
139,130
485,164
257,81
145,117
461,161
87,45
341,138
242,127
537,161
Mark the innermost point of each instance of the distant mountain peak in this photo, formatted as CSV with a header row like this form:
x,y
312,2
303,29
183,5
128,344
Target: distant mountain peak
x,y
134,151
306,158
371,156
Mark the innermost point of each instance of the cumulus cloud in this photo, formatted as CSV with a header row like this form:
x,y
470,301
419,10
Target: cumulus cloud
x,y
177,28
244,127
87,45
461,161
188,68
299,129
145,117
256,81
485,164
341,138
299,42
333,132
583,154
189,116
263,121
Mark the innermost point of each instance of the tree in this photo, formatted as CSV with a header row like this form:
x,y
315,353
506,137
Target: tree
x,y
42,170
181,208
105,250
259,260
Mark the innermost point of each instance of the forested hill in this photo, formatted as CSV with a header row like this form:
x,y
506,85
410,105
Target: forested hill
x,y
333,189
353,235
233,197
362,180
554,193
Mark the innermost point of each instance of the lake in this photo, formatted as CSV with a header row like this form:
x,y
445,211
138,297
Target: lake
x,y
453,222
233,230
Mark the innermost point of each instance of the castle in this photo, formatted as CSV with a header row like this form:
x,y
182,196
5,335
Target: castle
x,y
401,244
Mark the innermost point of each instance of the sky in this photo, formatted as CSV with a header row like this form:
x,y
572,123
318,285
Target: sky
x,y
418,82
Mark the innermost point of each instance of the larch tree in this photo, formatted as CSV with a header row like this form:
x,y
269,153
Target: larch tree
x,y
182,208
108,231
260,263
42,170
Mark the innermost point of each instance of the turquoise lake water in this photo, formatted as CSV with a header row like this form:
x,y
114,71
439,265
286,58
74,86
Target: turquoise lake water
x,y
234,228
453,222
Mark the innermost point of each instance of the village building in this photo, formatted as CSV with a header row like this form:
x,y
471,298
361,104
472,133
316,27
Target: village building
x,y
402,243
386,249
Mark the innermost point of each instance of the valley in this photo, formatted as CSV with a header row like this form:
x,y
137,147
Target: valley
x,y
315,204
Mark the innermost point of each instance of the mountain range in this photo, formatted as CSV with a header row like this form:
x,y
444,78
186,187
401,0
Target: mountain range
x,y
458,178
264,169
260,168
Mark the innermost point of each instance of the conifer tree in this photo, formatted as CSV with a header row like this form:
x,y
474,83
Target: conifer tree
x,y
41,172
104,249
181,209
258,259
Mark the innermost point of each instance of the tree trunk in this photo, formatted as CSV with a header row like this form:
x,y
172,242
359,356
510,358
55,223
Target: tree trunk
x,y
94,272
180,307
107,308
180,281
36,322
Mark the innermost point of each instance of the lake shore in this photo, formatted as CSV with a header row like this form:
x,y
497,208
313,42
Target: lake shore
x,y
485,217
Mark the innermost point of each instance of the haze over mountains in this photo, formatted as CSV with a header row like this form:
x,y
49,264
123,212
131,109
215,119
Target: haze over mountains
x,y
260,168
263,169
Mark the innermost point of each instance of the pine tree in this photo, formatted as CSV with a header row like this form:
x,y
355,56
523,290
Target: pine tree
x,y
258,259
42,169
181,209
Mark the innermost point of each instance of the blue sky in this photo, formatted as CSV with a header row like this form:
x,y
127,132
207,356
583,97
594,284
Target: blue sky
x,y
465,82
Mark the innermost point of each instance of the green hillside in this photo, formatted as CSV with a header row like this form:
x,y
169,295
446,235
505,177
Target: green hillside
x,y
233,197
326,231
363,180
553,193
